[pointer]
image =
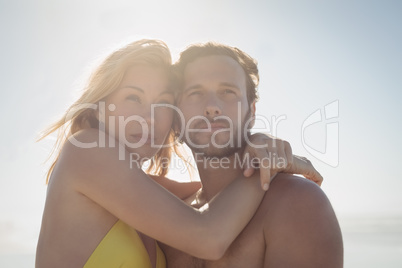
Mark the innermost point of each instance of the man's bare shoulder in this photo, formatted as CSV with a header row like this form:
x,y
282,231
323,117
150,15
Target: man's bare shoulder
x,y
299,225
288,190
295,188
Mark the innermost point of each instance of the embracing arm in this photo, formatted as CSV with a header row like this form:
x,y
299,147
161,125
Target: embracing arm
x,y
129,194
270,151
182,190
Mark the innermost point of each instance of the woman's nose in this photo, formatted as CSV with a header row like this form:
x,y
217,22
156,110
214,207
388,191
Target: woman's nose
x,y
147,116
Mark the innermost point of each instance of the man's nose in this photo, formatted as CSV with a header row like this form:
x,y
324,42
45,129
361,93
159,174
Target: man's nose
x,y
212,109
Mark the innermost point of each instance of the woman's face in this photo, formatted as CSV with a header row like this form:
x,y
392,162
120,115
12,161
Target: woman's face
x,y
134,112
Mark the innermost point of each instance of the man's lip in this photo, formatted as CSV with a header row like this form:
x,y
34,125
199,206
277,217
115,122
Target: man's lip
x,y
213,126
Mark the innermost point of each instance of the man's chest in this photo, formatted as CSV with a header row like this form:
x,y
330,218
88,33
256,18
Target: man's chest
x,y
246,251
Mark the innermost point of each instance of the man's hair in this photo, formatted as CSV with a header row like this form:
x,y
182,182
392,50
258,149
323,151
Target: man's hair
x,y
248,64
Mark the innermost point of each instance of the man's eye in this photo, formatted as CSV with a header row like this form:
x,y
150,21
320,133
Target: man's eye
x,y
229,91
134,98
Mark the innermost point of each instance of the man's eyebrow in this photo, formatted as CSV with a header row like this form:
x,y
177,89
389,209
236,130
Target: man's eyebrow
x,y
229,85
197,86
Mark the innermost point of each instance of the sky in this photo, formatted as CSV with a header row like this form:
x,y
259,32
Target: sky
x,y
330,84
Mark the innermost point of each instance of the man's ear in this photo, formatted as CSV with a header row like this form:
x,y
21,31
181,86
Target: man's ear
x,y
252,114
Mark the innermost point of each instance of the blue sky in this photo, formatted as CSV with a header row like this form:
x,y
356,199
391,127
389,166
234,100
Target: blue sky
x,y
310,54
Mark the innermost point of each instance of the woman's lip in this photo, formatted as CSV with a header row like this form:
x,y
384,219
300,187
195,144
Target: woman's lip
x,y
140,139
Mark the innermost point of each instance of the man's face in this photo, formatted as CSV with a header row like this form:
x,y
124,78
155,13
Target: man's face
x,y
214,106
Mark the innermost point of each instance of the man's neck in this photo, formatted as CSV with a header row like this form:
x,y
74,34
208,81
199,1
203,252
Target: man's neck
x,y
216,174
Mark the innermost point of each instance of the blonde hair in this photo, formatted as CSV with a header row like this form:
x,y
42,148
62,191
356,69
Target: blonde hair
x,y
103,81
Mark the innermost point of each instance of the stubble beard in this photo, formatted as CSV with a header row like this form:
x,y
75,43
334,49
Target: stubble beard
x,y
222,152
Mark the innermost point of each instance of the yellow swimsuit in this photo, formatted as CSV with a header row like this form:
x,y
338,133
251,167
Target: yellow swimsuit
x,y
122,247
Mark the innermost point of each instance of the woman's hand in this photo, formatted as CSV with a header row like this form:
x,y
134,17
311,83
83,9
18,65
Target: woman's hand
x,y
272,155
301,165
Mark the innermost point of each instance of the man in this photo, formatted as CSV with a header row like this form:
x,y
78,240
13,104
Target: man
x,y
295,225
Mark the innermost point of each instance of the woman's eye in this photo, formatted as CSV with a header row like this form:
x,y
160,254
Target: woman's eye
x,y
195,93
134,98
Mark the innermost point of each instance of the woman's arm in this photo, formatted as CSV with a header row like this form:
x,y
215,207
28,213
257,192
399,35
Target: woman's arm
x,y
129,194
265,149
182,190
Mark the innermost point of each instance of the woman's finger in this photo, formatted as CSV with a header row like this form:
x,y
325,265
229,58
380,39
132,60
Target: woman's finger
x,y
265,169
279,161
303,166
288,153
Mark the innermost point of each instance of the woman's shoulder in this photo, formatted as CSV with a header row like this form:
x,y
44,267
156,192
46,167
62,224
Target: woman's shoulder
x,y
89,140
88,147
73,157
85,160
86,138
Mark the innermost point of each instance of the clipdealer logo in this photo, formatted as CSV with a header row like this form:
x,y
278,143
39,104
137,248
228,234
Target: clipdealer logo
x,y
327,117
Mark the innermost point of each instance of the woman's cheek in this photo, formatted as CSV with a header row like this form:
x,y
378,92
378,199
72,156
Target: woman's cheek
x,y
165,121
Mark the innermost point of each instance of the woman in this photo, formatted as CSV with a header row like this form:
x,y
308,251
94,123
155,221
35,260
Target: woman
x,y
101,208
